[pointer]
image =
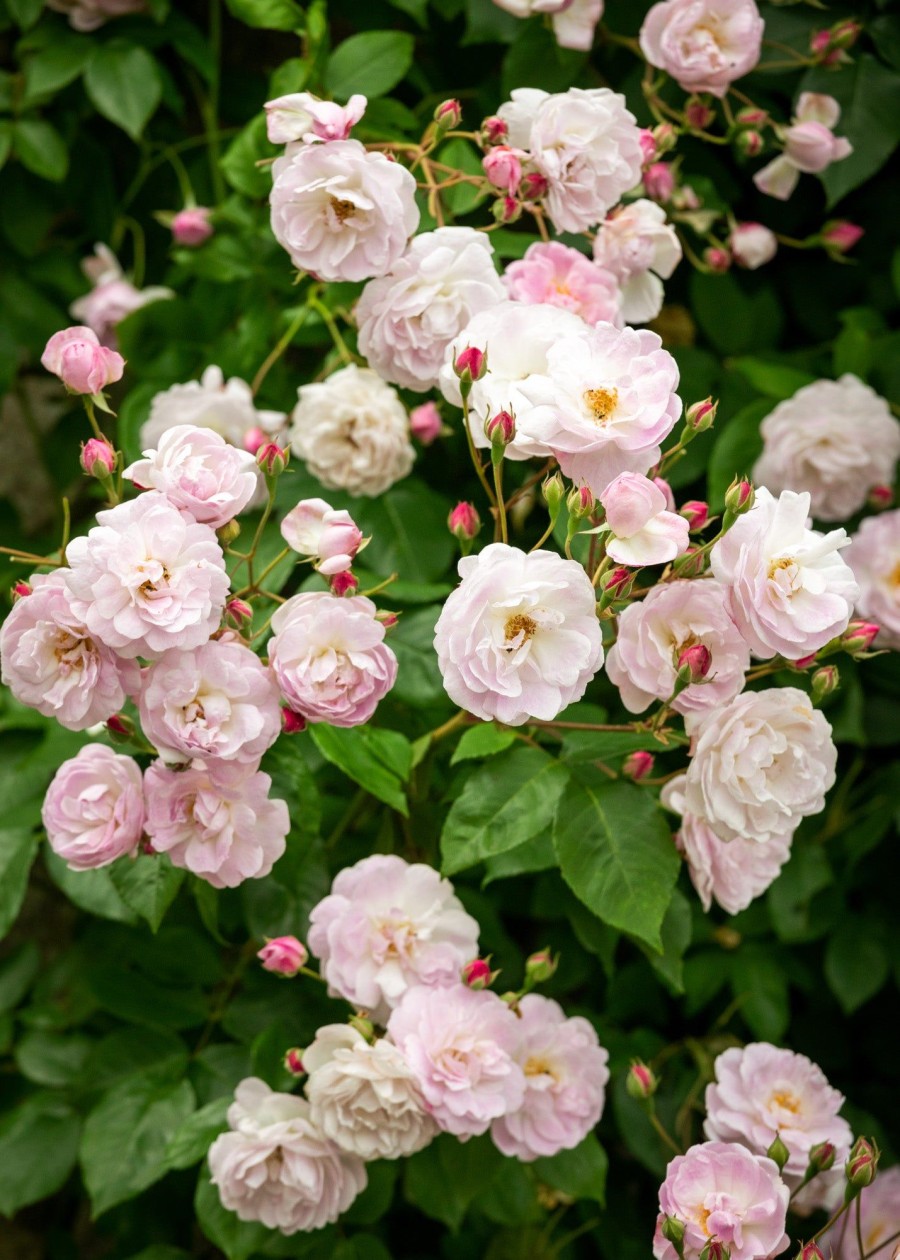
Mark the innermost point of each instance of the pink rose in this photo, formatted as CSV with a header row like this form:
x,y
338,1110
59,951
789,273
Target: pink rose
x,y
720,1190
811,146
703,44
641,249
653,632
199,472
284,956
643,532
51,663
461,1045
560,276
503,167
146,578
191,226
565,1082
76,356
225,829
330,658
318,531
875,560
386,926
93,812
217,702
112,298
302,116
880,1213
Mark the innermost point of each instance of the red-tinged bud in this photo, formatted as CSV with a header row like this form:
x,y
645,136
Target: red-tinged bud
x,y
120,727
387,619
740,496
638,765
839,236
272,459
254,439
750,143
494,130
804,662
343,583
701,416
641,1081
717,259
649,150
616,585
821,1158
20,590
464,523
292,723
845,34
539,967
858,637
696,513
293,1062
659,181
694,663
477,974
861,1167
448,115
500,428
697,114
580,502
752,117
715,1249
666,137
692,563
425,422
506,210
881,497
823,682
283,956
820,43
238,612
470,365
778,1152
533,186
98,459
809,1251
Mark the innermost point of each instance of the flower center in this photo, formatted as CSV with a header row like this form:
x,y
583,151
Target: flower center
x,y
537,1066
894,579
703,1215
786,565
784,1099
601,403
342,209
519,623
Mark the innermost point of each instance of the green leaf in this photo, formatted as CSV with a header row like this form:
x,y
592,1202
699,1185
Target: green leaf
x,y
735,320
419,679
408,527
737,448
190,1142
49,1058
25,12
442,1180
372,63
856,965
124,83
269,15
484,740
92,891
777,380
17,850
377,1197
579,1173
38,1148
616,854
53,67
125,1138
41,148
239,167
676,937
869,96
761,989
17,971
370,757
148,884
501,805
790,897
135,1051
461,155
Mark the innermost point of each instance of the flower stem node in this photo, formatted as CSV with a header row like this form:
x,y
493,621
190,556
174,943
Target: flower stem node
x,y
642,1083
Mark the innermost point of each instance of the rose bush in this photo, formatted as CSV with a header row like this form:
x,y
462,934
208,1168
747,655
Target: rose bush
x,y
449,720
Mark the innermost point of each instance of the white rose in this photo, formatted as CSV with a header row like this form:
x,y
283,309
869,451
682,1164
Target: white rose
x,y
875,560
365,1097
753,245
641,250
835,439
353,431
210,403
760,764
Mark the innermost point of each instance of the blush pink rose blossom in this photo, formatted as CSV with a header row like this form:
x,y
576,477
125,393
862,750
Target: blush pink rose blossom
x,y
217,702
810,146
880,1213
789,590
199,472
503,167
302,116
519,637
730,872
874,557
330,659
76,356
112,297
573,21
653,632
276,1166
637,246
191,227
386,926
93,812
643,531
283,956
554,273
146,578
720,1190
566,1075
318,531
224,830
51,663
425,423
340,211
703,44
461,1045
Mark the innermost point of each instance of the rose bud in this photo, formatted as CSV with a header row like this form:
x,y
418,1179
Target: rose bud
x,y
343,583
659,181
120,727
580,502
238,612
272,459
506,210
494,130
470,365
616,585
553,490
425,423
672,1229
647,141
641,1081
693,665
861,1166
844,34
500,429
778,1152
503,167
823,682
464,522
750,143
715,1249
98,459
228,533
740,496
717,259
638,765
840,235
751,116
191,226
363,1026
292,723
821,1158
666,137
700,416
858,637
809,1251
293,1062
20,589
540,967
76,356
448,115
477,974
880,497
533,186
696,513
283,956
697,114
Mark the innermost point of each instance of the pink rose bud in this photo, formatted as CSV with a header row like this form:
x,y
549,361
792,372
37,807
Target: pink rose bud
x,y
464,522
292,723
666,137
659,181
739,496
238,612
642,1083
539,967
448,115
20,590
750,143
293,1062
254,439
859,637
823,682
120,727
272,459
191,226
752,117
778,1152
820,43
845,34
880,497
76,356
809,1251
821,1158
839,235
343,583
534,186
717,258
580,501
503,167
803,662
284,956
700,416
715,1249
694,663
692,563
387,619
477,974
98,459
647,141
697,114
501,429
425,422
616,585
470,364
638,765
506,210
494,130
696,513
861,1167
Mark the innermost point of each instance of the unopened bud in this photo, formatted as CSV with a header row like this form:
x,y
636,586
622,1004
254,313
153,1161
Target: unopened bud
x,y
293,1062
803,662
494,130
638,765
580,502
642,1083
880,497
672,1229
238,612
809,1251
272,459
253,439
500,429
540,967
740,496
343,583
616,585
845,34
464,523
228,532
717,259
750,142
477,974
715,1249
387,619
697,114
693,665
692,563
821,1158
858,637
363,1026
696,513
778,1152
470,365
283,956
861,1167
666,137
533,186
448,115
649,148
120,727
659,181
20,589
425,422
292,723
98,459
506,210
751,117
701,416
823,682
839,236
553,490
